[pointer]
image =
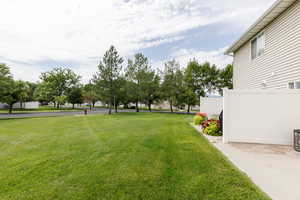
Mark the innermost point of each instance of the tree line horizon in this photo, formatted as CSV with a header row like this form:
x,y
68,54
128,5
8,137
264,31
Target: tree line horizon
x,y
115,84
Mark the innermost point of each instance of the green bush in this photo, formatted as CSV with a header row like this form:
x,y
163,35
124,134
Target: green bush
x,y
212,129
198,120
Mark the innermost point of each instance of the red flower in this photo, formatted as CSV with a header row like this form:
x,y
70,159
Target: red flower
x,y
201,114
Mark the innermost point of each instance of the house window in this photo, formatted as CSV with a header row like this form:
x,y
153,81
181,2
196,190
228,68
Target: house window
x,y
258,46
294,85
291,85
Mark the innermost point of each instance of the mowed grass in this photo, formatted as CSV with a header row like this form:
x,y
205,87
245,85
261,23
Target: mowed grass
x,y
118,157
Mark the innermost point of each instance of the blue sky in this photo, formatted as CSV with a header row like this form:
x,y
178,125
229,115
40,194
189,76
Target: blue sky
x,y
36,36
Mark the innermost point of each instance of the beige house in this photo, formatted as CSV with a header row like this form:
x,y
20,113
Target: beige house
x,y
264,107
267,56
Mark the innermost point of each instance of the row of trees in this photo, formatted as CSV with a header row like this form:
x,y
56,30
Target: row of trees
x,y
57,86
12,91
118,84
138,82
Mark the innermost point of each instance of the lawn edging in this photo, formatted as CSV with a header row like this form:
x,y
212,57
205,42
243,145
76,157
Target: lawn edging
x,y
211,139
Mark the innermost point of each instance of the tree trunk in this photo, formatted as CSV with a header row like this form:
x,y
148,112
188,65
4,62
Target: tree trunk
x,y
137,106
10,108
90,106
116,108
189,107
171,106
149,107
54,104
57,105
21,105
73,106
94,104
109,107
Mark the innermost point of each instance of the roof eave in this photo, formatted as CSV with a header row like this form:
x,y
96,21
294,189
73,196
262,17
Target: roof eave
x,y
272,13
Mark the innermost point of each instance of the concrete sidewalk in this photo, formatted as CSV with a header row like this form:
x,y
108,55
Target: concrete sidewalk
x,y
274,168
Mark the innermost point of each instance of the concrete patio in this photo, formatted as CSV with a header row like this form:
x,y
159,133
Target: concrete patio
x,y
274,168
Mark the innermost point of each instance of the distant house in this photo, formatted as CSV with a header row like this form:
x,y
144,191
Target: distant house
x,y
26,105
267,56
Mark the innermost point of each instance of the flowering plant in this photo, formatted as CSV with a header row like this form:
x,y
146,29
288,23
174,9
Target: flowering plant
x,y
212,127
198,120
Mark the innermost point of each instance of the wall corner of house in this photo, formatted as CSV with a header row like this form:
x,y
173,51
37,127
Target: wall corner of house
x,y
225,114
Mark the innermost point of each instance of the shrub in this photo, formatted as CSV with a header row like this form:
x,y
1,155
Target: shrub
x,y
202,114
211,127
198,120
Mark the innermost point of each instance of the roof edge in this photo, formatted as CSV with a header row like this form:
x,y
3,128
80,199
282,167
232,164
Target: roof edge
x,y
235,46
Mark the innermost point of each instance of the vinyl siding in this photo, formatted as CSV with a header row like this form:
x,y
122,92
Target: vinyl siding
x,y
280,62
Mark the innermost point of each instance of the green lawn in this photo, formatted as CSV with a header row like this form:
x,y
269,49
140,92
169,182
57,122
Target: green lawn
x,y
118,157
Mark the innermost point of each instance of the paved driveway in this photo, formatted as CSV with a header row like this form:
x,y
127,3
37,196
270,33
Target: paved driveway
x,y
274,168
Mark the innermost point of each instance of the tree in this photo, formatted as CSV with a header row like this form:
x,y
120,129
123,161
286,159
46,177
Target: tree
x,y
169,89
44,93
5,77
150,88
30,90
24,94
193,84
225,79
11,91
194,77
14,93
61,100
90,94
211,77
137,71
75,96
58,82
108,72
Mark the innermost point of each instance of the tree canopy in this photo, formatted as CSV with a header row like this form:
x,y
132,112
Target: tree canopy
x,y
117,83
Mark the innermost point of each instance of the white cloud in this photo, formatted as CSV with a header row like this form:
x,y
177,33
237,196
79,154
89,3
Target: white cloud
x,y
183,56
32,31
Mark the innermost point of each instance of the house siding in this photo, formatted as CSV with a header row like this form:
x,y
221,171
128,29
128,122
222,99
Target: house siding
x,y
280,62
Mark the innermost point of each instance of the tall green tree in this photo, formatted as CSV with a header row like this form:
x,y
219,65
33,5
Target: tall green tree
x,y
109,71
194,85
211,77
14,93
11,91
43,93
59,82
136,72
5,77
169,85
75,96
90,94
30,90
150,88
194,77
225,79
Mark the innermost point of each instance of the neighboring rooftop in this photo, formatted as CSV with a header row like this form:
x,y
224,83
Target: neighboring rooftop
x,y
272,13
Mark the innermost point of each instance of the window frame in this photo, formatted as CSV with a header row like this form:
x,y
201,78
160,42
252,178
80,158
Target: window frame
x,y
295,83
258,51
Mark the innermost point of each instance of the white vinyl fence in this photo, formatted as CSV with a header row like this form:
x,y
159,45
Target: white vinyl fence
x,y
261,116
211,105
26,105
